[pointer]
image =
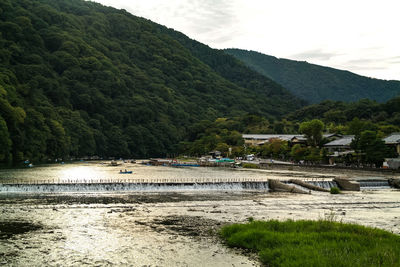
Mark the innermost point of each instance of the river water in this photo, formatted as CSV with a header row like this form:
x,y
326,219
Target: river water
x,y
96,171
161,227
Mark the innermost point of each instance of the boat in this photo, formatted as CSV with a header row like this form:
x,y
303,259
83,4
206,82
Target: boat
x,y
185,165
125,172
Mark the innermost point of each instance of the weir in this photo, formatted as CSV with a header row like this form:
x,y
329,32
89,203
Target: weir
x,y
374,184
165,185
105,187
324,184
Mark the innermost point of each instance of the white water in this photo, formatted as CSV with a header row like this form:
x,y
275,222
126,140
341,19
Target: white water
x,y
104,187
99,177
324,184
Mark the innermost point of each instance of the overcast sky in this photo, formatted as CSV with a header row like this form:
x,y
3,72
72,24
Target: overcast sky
x,y
362,36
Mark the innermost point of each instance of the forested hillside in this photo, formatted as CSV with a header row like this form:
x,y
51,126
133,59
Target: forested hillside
x,y
350,118
80,79
317,83
224,134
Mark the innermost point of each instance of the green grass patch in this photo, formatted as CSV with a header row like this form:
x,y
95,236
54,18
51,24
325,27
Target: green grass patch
x,y
335,190
250,166
187,159
315,243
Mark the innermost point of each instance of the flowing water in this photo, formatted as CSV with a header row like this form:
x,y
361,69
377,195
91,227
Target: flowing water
x,y
161,223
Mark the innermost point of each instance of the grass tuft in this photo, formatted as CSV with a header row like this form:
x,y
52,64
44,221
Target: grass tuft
x,y
250,166
335,190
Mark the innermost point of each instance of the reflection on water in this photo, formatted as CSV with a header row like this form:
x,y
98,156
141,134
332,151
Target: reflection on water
x,y
102,234
96,171
86,172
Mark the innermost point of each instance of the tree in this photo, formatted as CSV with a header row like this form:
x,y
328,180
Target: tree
x,y
5,141
223,148
313,131
276,148
298,152
356,126
313,155
373,147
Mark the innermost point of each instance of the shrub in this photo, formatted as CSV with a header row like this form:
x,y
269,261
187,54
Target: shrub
x,y
250,166
335,190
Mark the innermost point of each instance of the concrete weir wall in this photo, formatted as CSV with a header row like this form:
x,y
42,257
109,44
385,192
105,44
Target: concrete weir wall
x,y
104,187
278,186
307,185
347,185
394,183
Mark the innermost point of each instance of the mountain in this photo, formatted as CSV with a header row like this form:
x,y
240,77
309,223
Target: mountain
x,y
317,83
80,79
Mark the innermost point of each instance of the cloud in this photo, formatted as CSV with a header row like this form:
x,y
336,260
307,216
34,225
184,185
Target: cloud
x,y
308,30
374,62
316,54
394,60
213,22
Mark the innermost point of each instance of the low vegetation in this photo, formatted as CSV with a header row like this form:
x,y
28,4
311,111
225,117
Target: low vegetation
x,y
315,243
250,166
335,190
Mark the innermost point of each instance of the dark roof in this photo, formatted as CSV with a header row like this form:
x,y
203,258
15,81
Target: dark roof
x,y
286,137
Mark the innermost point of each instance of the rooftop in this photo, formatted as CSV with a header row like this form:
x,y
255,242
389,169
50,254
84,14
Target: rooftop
x,y
286,137
344,141
394,138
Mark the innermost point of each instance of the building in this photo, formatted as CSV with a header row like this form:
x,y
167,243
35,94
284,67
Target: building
x,y
393,140
340,145
260,139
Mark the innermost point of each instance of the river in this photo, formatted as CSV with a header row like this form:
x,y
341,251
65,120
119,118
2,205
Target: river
x,y
162,227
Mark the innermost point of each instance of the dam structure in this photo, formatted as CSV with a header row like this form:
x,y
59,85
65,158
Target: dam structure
x,y
159,185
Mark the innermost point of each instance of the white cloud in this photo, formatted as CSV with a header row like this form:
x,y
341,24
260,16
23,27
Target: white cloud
x,y
330,33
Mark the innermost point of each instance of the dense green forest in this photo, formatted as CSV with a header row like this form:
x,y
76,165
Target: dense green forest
x,y
80,79
366,119
316,83
351,118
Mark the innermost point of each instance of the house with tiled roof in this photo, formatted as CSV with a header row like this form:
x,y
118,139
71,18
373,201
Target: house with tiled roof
x,y
261,139
393,140
340,145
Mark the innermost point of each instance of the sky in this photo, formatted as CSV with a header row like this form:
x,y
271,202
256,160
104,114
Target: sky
x,y
362,36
